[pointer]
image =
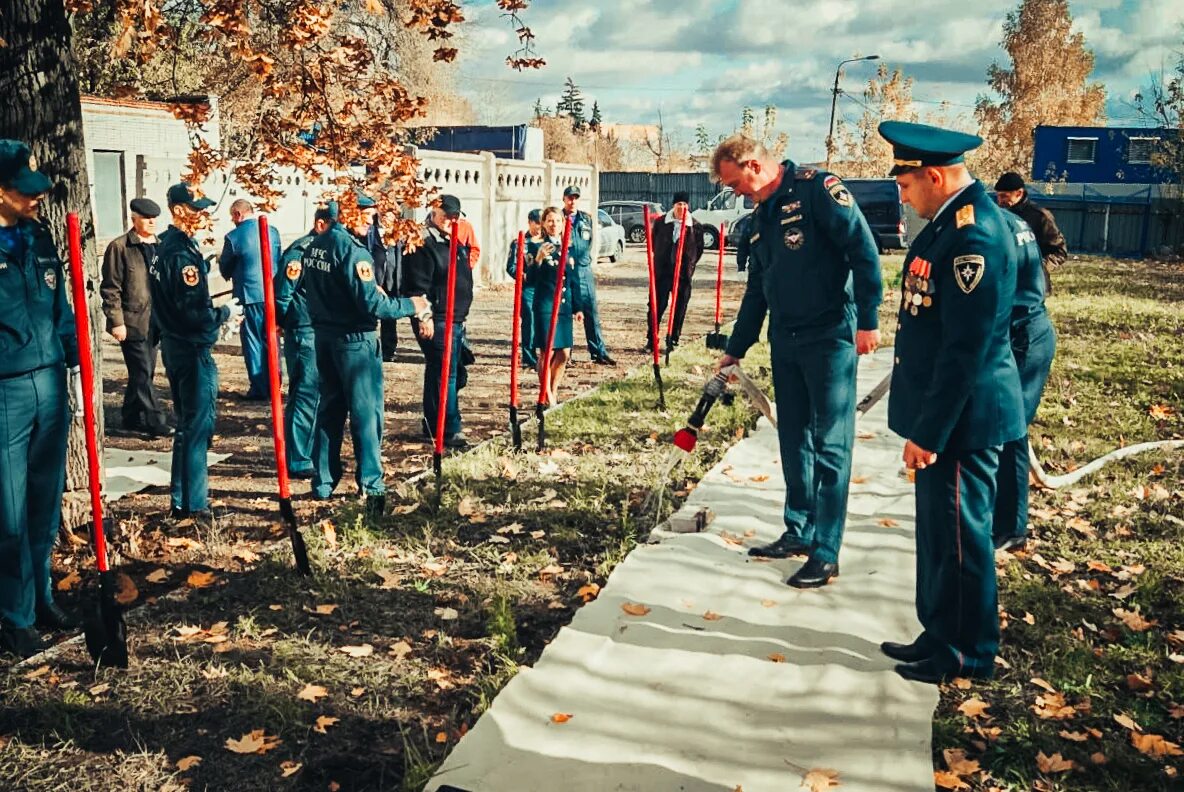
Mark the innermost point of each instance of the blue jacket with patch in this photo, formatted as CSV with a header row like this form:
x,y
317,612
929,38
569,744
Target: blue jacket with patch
x,y
1030,279
338,277
955,385
241,261
178,281
580,246
812,257
36,323
291,304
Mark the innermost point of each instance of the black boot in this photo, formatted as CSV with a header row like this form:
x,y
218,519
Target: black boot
x,y
51,617
24,642
784,547
931,672
907,653
813,574
375,506
1012,544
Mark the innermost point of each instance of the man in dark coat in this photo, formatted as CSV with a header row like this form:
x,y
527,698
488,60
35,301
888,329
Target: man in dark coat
x,y
127,304
665,234
1013,195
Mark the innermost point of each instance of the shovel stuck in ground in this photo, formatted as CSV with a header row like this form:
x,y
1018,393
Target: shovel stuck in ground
x,y
718,340
649,260
445,363
516,342
545,369
104,627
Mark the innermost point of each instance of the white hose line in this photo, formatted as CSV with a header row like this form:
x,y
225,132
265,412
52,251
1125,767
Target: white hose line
x,y
1044,481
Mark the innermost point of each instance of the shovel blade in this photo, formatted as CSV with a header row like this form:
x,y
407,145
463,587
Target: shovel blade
x,y
717,341
299,549
105,629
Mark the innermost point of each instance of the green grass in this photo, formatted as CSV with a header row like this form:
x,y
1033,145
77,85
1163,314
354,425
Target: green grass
x,y
1120,353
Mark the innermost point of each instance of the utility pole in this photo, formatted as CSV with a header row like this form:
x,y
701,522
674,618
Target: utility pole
x,y
834,98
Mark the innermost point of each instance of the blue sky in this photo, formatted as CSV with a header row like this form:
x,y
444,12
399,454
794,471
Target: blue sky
x,y
702,61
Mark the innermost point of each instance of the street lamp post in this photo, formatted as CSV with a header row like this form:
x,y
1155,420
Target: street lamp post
x,y
834,98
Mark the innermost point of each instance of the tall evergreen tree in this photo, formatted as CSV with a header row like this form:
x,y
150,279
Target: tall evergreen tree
x,y
594,123
571,104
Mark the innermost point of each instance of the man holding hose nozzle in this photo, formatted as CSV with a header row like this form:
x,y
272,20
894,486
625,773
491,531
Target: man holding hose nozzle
x,y
815,270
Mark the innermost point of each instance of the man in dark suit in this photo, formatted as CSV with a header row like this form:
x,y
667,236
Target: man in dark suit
x,y
665,234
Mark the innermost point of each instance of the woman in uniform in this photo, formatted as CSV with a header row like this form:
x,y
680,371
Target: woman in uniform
x,y
542,258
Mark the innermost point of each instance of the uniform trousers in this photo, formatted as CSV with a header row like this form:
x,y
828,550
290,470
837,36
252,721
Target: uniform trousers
x,y
193,379
585,298
349,370
300,413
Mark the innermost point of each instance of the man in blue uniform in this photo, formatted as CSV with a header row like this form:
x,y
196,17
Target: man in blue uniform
x,y
345,305
814,269
291,312
534,226
241,263
584,256
38,344
1033,343
955,396
188,323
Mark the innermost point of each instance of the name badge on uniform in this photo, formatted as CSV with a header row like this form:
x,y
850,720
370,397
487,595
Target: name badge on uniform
x,y
190,276
51,278
795,238
968,271
364,270
293,270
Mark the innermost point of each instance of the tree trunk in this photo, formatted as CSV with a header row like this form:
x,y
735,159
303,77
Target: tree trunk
x,y
42,108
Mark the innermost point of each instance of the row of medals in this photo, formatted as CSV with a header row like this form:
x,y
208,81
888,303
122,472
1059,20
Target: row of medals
x,y
916,294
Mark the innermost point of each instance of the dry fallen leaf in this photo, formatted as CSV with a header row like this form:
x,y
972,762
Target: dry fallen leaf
x,y
888,522
188,762
762,477
330,534
365,650
1053,764
442,737
312,693
157,576
957,762
323,723
288,768
253,742
447,614
69,581
324,610
1126,721
777,657
1052,706
1161,412
589,592
635,609
126,591
400,649
355,692
561,717
711,616
946,780
820,780
1154,745
1134,620
1073,736
199,579
974,707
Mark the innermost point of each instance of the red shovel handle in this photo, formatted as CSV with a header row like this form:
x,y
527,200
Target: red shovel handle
x,y
86,363
719,277
649,260
682,237
516,333
446,363
273,360
545,373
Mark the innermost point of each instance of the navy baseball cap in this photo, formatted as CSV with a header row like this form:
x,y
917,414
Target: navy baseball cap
x,y
451,205
921,145
18,169
182,194
571,191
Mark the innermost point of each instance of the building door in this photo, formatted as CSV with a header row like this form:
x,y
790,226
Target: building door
x,y
110,195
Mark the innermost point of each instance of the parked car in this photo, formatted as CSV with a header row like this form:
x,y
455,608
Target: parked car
x,y
612,236
726,207
880,201
629,214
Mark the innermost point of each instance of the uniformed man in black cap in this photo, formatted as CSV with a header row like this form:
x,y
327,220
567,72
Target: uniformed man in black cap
x,y
127,304
39,344
345,305
300,355
585,297
665,232
955,396
188,323
1013,195
1033,343
814,270
534,231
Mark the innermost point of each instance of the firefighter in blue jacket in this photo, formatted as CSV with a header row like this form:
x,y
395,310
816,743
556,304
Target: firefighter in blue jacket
x,y
580,249
38,344
815,271
188,323
345,305
291,311
955,396
1033,343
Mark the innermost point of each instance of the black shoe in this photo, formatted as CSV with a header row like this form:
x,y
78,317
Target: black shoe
x,y
51,617
456,441
375,506
604,360
201,519
1013,544
813,574
159,430
389,357
303,475
930,672
906,653
649,347
784,547
253,397
24,642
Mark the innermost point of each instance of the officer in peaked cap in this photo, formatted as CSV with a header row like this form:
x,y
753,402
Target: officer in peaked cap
x,y
955,396
39,344
585,286
345,305
188,323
